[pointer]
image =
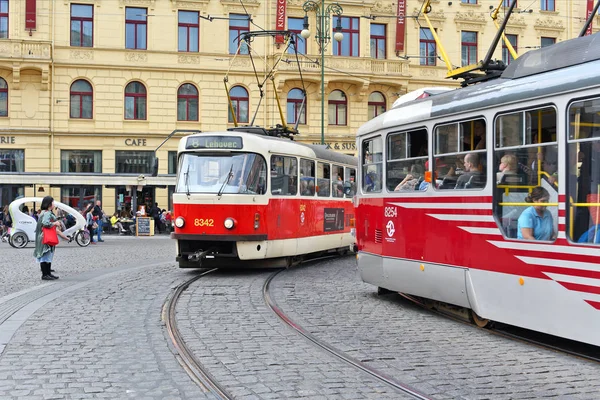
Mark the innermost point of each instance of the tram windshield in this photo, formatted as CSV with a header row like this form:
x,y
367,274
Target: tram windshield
x,y
243,173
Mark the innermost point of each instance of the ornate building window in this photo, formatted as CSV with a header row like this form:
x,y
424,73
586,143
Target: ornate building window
x,y
295,112
136,28
376,104
468,48
3,19
547,5
547,41
189,28
468,1
238,24
378,41
338,108
135,101
82,25
240,102
506,3
427,47
295,25
82,103
348,47
3,98
507,58
187,103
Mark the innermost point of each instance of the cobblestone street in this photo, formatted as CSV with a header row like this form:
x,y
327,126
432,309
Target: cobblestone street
x,y
98,332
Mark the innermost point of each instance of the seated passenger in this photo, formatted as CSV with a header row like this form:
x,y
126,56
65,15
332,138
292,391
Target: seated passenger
x,y
535,222
311,187
370,181
592,235
471,168
412,180
508,166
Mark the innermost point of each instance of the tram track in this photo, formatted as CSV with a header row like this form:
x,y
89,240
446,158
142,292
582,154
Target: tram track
x,y
185,356
272,304
526,336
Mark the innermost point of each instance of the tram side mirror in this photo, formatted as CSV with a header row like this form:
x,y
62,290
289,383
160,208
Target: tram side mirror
x,y
154,166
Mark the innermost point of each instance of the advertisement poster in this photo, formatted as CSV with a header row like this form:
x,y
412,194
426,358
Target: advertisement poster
x,y
333,219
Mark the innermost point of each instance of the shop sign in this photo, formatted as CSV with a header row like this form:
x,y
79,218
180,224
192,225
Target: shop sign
x,y
135,142
7,140
339,145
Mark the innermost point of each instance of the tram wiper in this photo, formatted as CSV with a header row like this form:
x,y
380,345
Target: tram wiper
x,y
187,182
229,175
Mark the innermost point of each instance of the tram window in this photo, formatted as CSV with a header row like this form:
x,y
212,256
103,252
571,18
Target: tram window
x,y
460,155
307,177
583,172
337,183
407,155
323,179
372,164
350,182
284,176
525,157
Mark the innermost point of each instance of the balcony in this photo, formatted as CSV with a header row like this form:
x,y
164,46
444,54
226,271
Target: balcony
x,y
25,50
353,65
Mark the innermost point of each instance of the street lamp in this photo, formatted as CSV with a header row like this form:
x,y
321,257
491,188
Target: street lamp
x,y
323,38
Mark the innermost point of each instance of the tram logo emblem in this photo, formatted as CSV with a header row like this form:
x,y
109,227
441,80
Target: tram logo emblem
x,y
302,218
390,228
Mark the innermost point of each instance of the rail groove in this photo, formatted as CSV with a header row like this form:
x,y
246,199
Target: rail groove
x,y
337,353
184,355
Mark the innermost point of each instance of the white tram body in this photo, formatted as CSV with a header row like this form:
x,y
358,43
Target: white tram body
x,y
454,230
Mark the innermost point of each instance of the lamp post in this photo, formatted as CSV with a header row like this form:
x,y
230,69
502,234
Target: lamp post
x,y
323,38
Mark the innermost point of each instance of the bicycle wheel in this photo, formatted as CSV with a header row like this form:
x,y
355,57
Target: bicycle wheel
x,y
83,238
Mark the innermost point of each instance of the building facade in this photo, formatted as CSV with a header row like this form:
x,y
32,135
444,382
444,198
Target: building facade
x,y
90,88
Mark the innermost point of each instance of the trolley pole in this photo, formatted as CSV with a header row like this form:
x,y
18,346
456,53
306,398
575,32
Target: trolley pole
x,y
322,37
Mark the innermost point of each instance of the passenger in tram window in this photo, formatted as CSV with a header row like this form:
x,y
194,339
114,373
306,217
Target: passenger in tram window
x,y
311,187
479,134
471,169
535,222
412,180
508,166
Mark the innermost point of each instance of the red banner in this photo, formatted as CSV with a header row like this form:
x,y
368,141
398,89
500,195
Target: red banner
x,y
30,14
400,26
280,19
590,9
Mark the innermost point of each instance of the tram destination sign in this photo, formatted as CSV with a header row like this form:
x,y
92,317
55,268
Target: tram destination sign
x,y
214,142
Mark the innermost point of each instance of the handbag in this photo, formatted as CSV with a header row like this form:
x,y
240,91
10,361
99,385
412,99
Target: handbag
x,y
50,236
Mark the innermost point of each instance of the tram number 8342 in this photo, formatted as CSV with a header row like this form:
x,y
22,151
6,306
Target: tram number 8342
x,y
204,222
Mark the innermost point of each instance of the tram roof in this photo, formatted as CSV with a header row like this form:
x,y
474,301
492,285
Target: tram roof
x,y
285,146
562,67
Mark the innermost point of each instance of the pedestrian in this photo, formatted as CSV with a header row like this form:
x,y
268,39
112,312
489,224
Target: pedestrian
x,y
99,218
89,220
43,252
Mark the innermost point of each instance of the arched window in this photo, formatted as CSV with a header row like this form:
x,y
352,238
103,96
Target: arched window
x,y
135,101
239,100
295,111
376,104
187,103
3,98
81,99
338,108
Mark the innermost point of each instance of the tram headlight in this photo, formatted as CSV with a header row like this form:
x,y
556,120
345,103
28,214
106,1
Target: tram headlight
x,y
179,222
229,223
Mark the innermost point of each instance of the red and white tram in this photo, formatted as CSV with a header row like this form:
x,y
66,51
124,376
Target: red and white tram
x,y
244,196
451,231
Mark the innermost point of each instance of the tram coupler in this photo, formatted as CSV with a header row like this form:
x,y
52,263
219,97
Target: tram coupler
x,y
199,255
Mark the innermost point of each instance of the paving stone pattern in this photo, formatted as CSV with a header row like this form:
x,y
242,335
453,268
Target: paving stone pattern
x,y
226,323
442,358
104,341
